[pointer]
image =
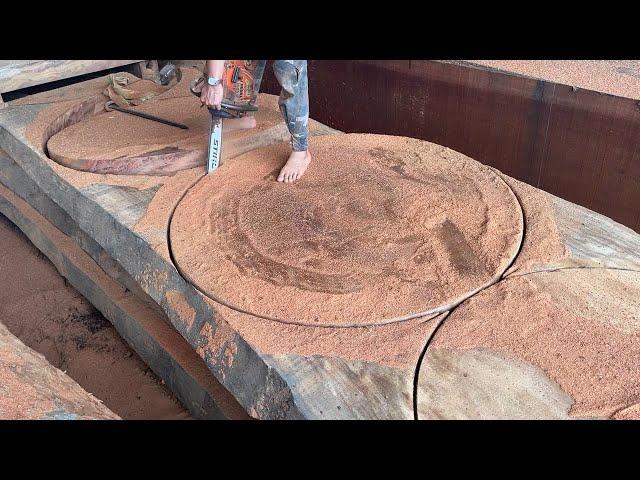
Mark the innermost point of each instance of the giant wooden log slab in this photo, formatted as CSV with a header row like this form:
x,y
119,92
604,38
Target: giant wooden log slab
x,y
137,210
275,368
32,389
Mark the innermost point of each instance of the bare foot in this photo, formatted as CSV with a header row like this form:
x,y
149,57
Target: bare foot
x,y
295,167
243,123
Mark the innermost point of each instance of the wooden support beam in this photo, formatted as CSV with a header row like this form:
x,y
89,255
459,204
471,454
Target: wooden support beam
x,y
17,74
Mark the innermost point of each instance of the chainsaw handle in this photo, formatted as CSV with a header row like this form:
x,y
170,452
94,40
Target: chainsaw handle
x,y
227,109
247,107
220,113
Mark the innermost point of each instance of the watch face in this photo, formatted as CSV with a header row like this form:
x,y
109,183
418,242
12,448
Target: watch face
x,y
213,81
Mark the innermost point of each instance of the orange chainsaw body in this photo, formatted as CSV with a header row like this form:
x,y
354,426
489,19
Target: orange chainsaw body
x,y
239,82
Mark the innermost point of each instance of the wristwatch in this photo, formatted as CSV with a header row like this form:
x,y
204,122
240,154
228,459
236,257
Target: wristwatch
x,y
213,81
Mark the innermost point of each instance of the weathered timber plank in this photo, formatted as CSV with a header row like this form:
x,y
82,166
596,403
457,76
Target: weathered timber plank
x,y
561,234
17,74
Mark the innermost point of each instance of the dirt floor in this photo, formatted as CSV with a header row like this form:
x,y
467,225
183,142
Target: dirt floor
x,y
39,307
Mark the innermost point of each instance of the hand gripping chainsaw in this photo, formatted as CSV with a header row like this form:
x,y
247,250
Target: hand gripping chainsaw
x,y
239,98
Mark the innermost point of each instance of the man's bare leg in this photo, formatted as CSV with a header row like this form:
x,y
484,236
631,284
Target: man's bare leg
x,y
295,167
294,105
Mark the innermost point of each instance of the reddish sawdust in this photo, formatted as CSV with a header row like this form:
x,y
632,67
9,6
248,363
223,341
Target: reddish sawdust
x,y
616,77
396,345
113,135
39,307
180,305
542,244
32,389
154,224
379,228
629,413
589,345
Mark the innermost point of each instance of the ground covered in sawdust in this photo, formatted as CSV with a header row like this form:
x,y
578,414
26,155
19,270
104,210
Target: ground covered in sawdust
x,y
380,229
49,316
616,77
32,389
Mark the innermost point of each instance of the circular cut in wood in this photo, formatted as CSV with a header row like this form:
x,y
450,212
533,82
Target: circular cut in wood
x,y
119,143
380,229
547,345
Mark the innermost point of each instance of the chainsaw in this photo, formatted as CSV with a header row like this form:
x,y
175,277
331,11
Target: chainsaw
x,y
238,100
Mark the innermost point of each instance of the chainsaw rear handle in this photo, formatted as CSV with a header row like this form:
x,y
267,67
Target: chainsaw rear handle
x,y
229,110
245,107
220,113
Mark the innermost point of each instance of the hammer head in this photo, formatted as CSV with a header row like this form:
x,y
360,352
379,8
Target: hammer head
x,y
168,73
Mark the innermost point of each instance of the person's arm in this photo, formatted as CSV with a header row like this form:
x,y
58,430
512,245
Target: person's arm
x,y
211,96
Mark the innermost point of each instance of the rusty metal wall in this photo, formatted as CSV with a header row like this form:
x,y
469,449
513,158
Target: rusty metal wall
x,y
577,144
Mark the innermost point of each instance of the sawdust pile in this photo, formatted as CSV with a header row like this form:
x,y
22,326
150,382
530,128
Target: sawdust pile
x,y
32,389
616,77
114,134
587,342
380,228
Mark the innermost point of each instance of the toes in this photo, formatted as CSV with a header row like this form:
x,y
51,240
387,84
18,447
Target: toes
x,y
290,175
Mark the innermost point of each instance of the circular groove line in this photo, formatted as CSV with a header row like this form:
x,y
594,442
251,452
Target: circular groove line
x,y
423,353
431,313
421,359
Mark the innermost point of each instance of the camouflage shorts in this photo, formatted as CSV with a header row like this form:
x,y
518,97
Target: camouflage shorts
x,y
294,97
